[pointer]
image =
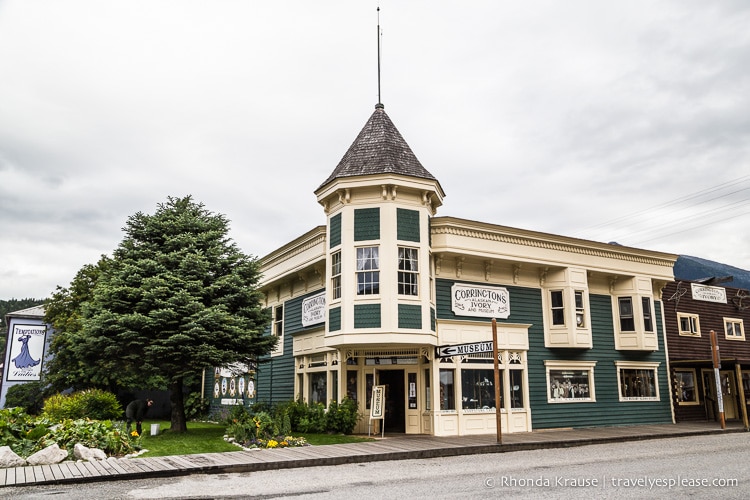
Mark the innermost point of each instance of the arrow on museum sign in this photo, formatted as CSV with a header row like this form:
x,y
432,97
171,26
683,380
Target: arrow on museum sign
x,y
446,351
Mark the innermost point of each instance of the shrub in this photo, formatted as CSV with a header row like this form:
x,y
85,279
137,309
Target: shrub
x,y
93,403
196,407
28,396
112,439
342,417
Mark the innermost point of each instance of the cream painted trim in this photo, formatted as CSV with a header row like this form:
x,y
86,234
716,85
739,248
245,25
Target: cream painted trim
x,y
504,234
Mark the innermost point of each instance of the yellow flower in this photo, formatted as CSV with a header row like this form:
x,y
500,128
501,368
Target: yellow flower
x,y
134,434
272,443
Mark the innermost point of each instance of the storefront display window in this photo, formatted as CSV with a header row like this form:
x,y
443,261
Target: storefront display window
x,y
570,381
685,390
637,381
516,388
351,384
318,387
477,389
447,390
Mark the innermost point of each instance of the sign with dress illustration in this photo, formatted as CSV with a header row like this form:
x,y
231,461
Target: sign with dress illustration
x,y
26,352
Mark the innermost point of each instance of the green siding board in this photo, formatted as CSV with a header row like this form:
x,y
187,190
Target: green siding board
x,y
410,316
366,224
335,236
526,308
334,319
407,225
367,316
275,374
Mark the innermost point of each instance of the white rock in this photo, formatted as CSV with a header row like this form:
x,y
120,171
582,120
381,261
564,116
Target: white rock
x,y
83,453
52,454
8,458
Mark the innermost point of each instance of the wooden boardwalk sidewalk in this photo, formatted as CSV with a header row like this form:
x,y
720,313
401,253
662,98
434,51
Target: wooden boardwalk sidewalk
x,y
392,447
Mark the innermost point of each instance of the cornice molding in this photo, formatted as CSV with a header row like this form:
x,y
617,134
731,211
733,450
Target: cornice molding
x,y
501,234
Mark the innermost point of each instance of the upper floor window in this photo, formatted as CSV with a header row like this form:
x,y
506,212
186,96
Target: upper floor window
x,y
734,329
627,320
689,324
580,310
278,320
368,271
408,271
558,307
336,275
648,322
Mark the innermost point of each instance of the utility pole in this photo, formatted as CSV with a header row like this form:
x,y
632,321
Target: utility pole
x,y
717,365
498,415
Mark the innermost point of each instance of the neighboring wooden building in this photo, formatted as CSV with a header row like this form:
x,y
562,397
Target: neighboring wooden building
x,y
387,293
692,310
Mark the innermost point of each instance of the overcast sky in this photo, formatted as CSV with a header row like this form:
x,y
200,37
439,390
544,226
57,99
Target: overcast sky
x,y
610,121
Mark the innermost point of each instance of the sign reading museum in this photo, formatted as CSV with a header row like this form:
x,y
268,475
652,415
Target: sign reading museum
x,y
482,301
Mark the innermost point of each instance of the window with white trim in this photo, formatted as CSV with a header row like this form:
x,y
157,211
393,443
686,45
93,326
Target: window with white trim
x,y
336,275
627,319
634,321
408,271
557,306
570,381
368,271
580,309
637,381
278,320
689,324
734,329
648,320
685,388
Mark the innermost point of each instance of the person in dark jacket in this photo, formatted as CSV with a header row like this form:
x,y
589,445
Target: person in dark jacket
x,y
135,411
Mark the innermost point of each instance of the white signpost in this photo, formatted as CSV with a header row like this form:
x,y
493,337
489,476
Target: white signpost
x,y
314,309
377,408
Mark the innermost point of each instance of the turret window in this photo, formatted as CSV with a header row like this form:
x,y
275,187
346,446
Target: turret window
x,y
408,271
336,275
368,271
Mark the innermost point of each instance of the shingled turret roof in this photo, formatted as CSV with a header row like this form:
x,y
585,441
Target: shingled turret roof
x,y
379,149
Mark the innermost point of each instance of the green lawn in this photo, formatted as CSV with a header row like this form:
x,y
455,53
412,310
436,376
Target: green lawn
x,y
203,437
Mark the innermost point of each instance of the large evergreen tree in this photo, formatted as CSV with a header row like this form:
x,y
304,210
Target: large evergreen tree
x,y
176,297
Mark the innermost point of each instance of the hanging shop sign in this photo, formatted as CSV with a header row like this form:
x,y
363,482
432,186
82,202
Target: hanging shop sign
x,y
26,352
314,309
709,293
482,301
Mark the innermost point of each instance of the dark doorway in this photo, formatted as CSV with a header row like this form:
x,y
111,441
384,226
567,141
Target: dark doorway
x,y
395,418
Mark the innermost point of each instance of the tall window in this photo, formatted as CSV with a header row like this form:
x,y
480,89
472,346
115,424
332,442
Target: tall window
x,y
408,271
685,389
558,308
336,275
278,320
368,271
648,323
447,390
627,321
580,312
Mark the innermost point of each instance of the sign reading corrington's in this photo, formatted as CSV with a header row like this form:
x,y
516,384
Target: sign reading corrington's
x,y
709,293
314,309
477,300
